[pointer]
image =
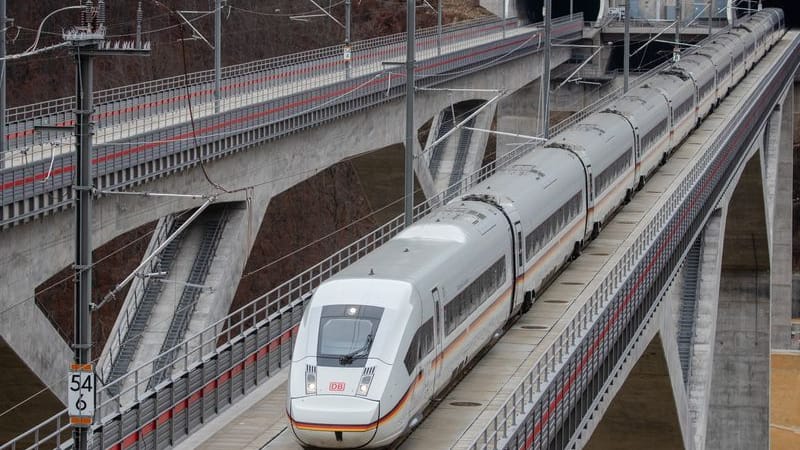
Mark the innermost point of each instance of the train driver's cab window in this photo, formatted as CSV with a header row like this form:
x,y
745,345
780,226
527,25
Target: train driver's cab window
x,y
346,334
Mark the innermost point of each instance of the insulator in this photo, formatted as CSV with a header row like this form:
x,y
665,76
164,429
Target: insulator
x,y
86,13
139,16
101,12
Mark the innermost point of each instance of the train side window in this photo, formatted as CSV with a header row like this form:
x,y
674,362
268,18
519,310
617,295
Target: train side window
x,y
426,345
477,292
536,240
412,355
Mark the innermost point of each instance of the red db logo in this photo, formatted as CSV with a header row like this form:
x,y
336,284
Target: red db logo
x,y
337,386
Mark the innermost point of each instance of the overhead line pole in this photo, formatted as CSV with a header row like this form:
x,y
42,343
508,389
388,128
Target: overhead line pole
x,y
627,49
544,111
87,41
347,24
83,217
217,55
676,51
411,11
83,208
4,23
505,16
710,16
439,28
139,17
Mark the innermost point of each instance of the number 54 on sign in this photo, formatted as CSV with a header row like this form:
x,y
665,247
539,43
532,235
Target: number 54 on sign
x,y
81,392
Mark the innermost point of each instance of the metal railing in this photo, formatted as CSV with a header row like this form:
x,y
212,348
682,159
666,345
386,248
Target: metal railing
x,y
128,111
687,313
546,396
132,301
206,252
659,24
171,142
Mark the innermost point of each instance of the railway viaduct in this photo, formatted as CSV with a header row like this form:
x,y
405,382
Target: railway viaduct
x,y
740,279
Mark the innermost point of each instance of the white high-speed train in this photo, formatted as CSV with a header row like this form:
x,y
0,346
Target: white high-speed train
x,y
380,339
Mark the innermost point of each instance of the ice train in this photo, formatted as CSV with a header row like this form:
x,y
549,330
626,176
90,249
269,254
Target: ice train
x,y
383,337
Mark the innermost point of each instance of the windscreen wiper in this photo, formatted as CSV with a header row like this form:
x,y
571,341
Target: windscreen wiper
x,y
348,358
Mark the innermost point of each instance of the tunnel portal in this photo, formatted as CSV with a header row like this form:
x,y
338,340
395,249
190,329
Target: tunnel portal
x,y
531,10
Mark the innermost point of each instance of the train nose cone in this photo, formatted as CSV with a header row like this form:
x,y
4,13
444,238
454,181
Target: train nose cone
x,y
334,421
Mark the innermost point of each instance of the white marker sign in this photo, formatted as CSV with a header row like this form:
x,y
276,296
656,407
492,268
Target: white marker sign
x,y
81,392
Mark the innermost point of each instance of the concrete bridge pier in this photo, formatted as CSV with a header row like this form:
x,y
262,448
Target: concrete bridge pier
x,y
754,301
778,154
22,328
518,113
239,223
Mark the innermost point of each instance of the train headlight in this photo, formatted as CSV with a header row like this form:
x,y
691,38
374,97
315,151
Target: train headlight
x,y
311,380
365,382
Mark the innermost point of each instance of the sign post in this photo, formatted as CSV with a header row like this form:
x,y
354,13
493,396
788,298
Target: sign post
x,y
87,41
81,395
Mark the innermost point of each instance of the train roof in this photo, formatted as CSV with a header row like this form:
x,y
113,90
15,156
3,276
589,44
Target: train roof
x,y
699,67
764,19
744,34
676,86
537,184
718,51
730,40
458,232
644,107
598,139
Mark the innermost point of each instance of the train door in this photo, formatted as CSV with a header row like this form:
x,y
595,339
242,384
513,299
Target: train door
x,y
438,340
519,266
590,198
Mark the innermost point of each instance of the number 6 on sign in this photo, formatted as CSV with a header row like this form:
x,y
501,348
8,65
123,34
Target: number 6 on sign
x,y
80,394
